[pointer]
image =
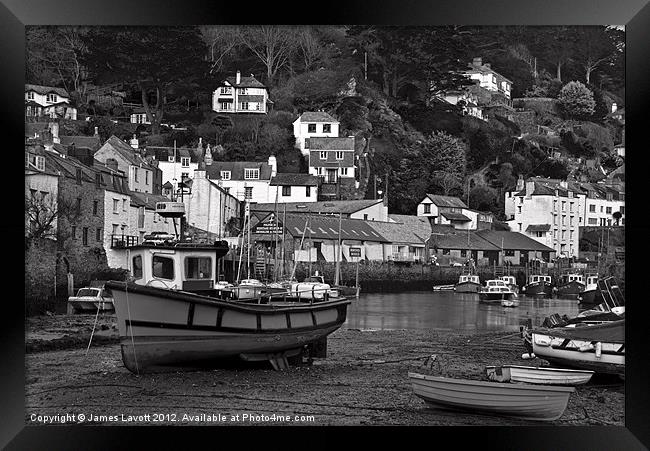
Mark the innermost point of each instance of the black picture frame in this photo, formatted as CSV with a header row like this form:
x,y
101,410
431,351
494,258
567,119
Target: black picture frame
x,y
634,14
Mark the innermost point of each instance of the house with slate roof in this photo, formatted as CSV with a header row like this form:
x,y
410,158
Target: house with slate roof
x,y
365,209
449,245
331,158
487,78
246,180
321,236
176,164
313,124
403,245
241,95
48,101
290,187
139,171
516,248
449,210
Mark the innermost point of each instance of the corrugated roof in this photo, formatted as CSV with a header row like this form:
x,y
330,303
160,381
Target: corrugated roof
x,y
327,207
236,169
289,179
512,241
46,90
538,228
331,143
455,216
325,227
245,82
316,116
446,201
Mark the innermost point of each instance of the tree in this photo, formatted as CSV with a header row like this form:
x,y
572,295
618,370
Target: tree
x,y
221,41
617,216
595,47
446,181
272,44
41,214
155,60
577,100
310,46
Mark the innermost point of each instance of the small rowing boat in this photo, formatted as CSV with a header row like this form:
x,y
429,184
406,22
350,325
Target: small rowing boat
x,y
537,375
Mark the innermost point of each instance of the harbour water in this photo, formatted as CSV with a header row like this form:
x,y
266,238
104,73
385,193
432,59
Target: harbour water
x,y
447,310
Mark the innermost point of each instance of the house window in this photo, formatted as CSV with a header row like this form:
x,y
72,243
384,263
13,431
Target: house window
x,y
225,175
365,216
115,229
78,174
135,174
601,208
40,163
84,236
248,193
319,171
244,105
592,208
78,207
98,234
563,205
95,207
170,159
98,180
323,155
251,174
73,231
509,253
308,191
137,267
608,210
225,105
163,267
463,253
518,208
427,208
146,177
51,98
198,268
311,128
123,204
520,226
30,96
286,191
540,234
571,207
327,128
226,90
445,252
185,175
116,205
593,221
243,91
185,162
622,210
344,171
339,155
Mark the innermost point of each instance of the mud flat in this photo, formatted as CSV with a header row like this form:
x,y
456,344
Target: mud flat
x,y
363,381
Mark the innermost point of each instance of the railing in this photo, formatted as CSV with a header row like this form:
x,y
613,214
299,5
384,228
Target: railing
x,y
122,241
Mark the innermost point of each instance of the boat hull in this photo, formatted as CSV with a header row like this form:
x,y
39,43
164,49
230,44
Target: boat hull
x,y
159,327
467,287
522,401
495,298
537,375
590,297
572,288
538,289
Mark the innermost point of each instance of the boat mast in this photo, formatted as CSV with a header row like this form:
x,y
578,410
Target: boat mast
x,y
241,251
284,222
338,255
295,260
248,248
275,235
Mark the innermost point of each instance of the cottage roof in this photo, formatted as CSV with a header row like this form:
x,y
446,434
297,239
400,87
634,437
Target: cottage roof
x,y
35,128
331,143
127,152
245,82
446,201
538,228
289,179
512,241
326,227
316,116
44,90
455,216
418,224
162,154
322,208
396,232
146,200
236,169
460,240
88,142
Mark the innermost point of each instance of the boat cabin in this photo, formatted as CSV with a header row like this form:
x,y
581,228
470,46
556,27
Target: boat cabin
x,y
539,279
592,280
495,284
510,280
181,266
568,278
472,278
497,289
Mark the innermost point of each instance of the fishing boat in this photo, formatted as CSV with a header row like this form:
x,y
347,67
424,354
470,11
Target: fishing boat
x,y
590,294
538,285
599,347
570,285
468,283
511,282
495,291
537,375
170,313
530,402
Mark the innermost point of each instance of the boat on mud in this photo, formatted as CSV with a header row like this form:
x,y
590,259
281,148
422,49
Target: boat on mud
x,y
530,402
495,292
570,285
537,375
468,283
538,285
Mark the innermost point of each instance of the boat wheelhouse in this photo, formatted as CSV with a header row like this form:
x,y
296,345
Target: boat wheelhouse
x,y
495,291
468,283
590,294
511,282
539,285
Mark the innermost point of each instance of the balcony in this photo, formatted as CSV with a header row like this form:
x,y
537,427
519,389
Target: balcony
x,y
123,241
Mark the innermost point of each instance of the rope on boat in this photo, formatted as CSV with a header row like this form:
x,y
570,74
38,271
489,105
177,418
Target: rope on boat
x,y
128,309
93,331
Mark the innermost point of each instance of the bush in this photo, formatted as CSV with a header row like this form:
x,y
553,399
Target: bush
x,y
576,100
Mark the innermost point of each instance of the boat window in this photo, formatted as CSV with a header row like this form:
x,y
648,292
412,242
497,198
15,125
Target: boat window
x,y
198,267
163,267
137,267
88,292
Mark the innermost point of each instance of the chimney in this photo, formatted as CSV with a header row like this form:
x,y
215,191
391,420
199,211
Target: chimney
x,y
54,129
520,183
614,107
564,184
530,187
477,62
111,163
274,165
238,79
96,131
134,142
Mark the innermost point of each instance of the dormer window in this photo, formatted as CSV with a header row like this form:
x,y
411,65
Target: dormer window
x,y
51,98
40,163
323,155
243,91
30,95
251,174
227,90
185,162
225,175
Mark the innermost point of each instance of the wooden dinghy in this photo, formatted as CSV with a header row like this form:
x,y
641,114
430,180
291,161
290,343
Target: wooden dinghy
x,y
537,375
530,402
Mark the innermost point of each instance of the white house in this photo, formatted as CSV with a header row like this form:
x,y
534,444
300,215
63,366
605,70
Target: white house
x,y
42,187
48,101
245,180
209,207
601,203
313,124
331,158
288,187
549,211
117,205
487,78
467,100
140,173
139,116
176,164
241,95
